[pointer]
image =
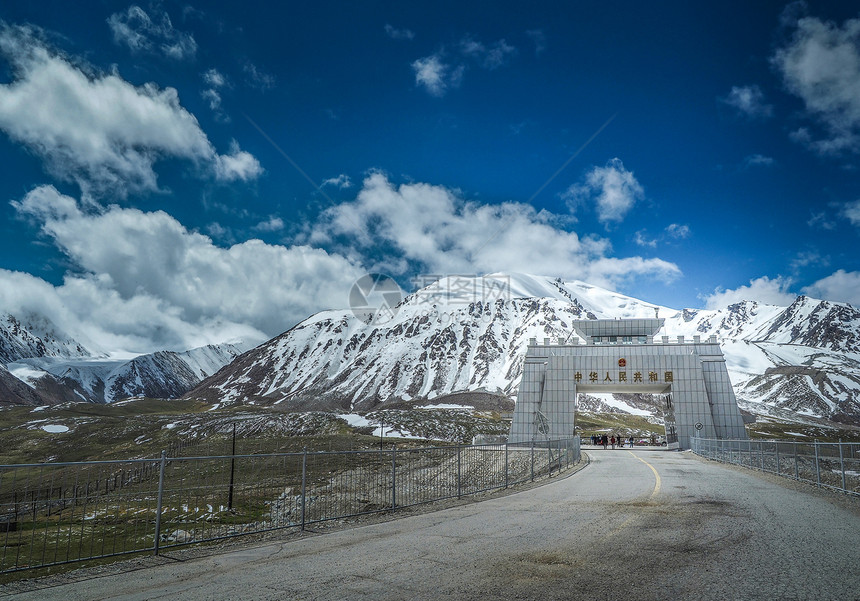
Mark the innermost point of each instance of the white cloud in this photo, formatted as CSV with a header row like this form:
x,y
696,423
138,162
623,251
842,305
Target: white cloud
x,y
398,34
143,282
272,224
678,231
612,188
642,240
841,286
212,95
821,65
435,76
342,181
98,129
257,78
748,101
238,165
758,160
763,290
851,211
539,38
489,57
807,258
215,78
154,33
431,229
821,220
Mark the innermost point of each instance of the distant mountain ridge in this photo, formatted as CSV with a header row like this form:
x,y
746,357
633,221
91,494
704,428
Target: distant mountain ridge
x,y
444,340
41,365
34,336
440,345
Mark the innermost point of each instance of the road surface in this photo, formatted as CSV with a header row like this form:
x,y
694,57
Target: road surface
x,y
635,525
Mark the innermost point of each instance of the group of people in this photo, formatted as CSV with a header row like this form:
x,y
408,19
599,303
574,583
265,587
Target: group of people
x,y
613,440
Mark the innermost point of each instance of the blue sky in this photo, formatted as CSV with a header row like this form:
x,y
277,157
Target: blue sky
x,y
177,174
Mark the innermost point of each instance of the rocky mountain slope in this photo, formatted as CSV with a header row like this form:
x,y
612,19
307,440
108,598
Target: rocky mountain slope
x,y
43,366
442,340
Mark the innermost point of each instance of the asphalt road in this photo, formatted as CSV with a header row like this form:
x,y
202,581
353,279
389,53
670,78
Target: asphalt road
x,y
634,525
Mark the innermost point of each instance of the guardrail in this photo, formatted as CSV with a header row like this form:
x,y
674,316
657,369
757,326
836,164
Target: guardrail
x,y
54,513
825,464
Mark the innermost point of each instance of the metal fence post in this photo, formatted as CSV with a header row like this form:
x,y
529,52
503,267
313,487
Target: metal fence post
x,y
506,464
160,503
776,446
842,465
817,468
796,467
549,456
393,477
761,454
232,470
533,460
459,473
304,483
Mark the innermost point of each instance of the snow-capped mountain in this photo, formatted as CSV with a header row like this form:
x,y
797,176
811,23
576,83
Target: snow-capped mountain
x,y
35,336
164,374
456,336
42,365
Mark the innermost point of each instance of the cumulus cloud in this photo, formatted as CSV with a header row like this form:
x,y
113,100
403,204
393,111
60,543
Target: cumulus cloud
x,y
748,101
142,281
238,165
436,76
763,290
272,224
153,33
842,286
430,229
613,190
820,64
97,129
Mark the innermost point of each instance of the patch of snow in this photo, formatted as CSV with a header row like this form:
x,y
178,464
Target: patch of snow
x,y
40,408
354,420
55,428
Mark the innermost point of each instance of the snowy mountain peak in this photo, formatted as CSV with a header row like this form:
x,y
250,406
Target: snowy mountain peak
x,y
35,336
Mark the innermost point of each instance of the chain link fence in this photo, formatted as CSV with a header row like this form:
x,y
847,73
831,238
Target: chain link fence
x,y
55,513
826,464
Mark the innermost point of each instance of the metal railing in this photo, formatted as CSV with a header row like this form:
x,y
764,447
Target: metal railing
x,y
825,464
55,513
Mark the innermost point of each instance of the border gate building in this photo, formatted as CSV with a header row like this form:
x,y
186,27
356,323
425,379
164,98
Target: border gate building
x,y
624,356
